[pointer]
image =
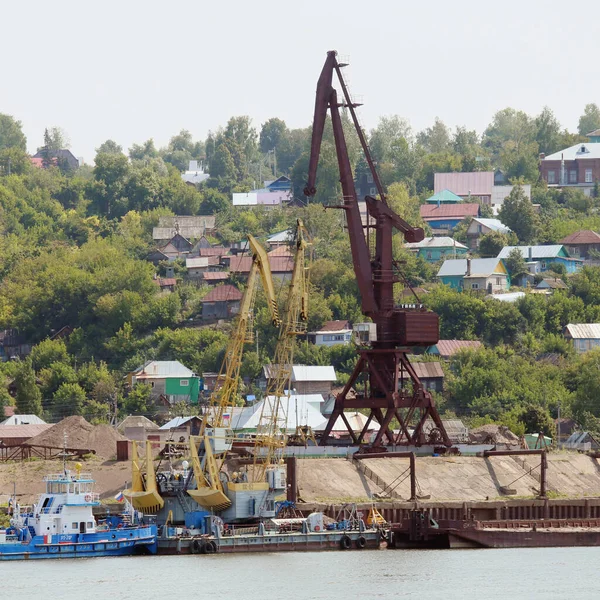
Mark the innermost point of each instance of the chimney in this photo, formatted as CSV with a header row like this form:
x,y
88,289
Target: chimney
x,y
468,267
530,253
542,155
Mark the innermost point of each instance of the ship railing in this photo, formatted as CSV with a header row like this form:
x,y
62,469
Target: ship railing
x,y
62,478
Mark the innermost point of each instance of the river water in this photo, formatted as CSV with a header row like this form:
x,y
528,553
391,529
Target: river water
x,y
513,574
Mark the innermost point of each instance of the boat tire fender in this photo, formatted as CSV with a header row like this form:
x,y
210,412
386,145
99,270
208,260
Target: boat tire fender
x,y
345,542
210,547
196,547
361,542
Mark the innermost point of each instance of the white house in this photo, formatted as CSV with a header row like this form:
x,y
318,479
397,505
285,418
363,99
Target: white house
x,y
332,333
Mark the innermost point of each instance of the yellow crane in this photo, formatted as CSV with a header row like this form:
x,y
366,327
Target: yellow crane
x,y
214,437
271,435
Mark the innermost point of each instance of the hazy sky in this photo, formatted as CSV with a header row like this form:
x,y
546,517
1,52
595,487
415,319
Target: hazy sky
x,y
130,70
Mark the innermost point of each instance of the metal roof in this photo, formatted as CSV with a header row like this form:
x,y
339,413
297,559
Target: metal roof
x,y
217,276
306,373
279,264
579,151
433,211
23,420
223,293
447,348
177,422
199,261
281,237
585,236
356,420
551,251
444,196
162,368
583,331
428,370
329,326
167,233
493,224
479,266
22,431
479,183
435,242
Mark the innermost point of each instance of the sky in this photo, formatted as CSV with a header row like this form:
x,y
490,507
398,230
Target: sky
x,y
129,70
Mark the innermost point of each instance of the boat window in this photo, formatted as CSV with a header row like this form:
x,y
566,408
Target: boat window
x,y
72,488
74,525
90,525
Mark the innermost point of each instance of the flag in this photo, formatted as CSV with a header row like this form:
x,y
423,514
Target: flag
x,y
119,497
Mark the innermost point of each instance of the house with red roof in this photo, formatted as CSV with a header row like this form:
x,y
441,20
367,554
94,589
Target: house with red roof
x,y
580,243
222,302
443,218
447,348
281,266
332,333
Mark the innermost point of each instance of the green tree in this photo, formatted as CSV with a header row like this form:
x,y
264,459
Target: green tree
x,y
515,264
47,352
144,151
518,214
272,134
109,147
492,243
69,399
389,131
435,139
137,401
547,131
537,419
508,125
589,120
11,133
29,397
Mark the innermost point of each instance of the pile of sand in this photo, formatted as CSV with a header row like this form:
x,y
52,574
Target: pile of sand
x,y
81,435
493,434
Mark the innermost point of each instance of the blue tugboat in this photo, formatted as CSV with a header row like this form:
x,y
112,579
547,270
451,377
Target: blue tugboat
x,y
62,525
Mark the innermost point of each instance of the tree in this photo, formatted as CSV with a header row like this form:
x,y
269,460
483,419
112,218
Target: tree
x,y
515,264
143,151
537,420
272,134
214,202
508,125
11,133
29,396
47,352
137,401
547,131
435,138
589,120
388,132
55,138
491,243
518,214
68,400
222,165
109,147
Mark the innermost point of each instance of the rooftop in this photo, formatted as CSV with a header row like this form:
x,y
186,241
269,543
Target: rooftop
x,y
281,237
585,236
223,293
479,266
435,242
447,348
279,264
177,422
585,331
23,420
433,211
428,370
480,183
536,252
217,276
444,196
306,373
162,368
577,152
22,431
553,283
493,224
329,326
508,297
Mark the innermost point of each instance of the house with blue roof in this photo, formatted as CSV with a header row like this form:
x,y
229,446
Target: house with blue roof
x,y
433,249
541,258
479,274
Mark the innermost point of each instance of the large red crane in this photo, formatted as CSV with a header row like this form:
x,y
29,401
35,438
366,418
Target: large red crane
x,y
392,389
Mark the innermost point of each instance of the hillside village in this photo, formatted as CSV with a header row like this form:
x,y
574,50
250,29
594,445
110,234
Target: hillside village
x,y
121,281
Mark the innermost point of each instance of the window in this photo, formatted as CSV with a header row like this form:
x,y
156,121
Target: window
x,y
543,264
373,192
551,177
74,525
497,280
369,178
572,176
184,382
90,525
588,176
474,286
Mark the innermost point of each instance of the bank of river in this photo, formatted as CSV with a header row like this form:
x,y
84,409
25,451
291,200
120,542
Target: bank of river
x,y
542,573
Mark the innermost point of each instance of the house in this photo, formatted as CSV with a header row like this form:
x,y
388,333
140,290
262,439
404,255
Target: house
x,y
281,184
445,217
281,266
565,428
581,243
280,251
222,302
433,249
182,427
307,379
478,185
166,284
15,435
199,265
332,333
13,345
168,379
485,274
23,420
501,192
157,256
188,227
136,427
431,375
365,185
546,256
195,174
577,166
444,197
273,193
212,278
447,348
480,227
283,238
585,336
59,157
550,285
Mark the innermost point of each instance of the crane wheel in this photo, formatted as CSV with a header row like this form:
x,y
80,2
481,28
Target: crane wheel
x,y
361,542
345,543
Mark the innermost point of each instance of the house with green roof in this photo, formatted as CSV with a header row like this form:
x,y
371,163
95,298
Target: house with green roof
x,y
444,197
